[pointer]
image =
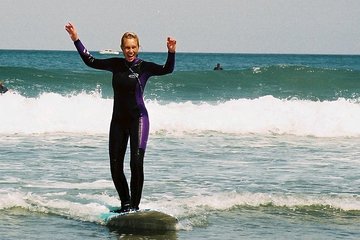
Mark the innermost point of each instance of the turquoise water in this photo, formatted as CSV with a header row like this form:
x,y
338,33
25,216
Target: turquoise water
x,y
266,149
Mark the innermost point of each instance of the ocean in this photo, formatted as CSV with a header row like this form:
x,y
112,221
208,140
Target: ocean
x,y
268,148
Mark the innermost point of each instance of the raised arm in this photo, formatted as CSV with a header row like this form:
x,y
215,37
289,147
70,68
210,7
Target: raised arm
x,y
169,66
89,60
170,62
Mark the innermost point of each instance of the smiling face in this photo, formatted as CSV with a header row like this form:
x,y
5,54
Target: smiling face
x,y
130,46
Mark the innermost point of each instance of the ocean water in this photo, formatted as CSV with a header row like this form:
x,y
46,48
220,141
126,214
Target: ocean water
x,y
268,148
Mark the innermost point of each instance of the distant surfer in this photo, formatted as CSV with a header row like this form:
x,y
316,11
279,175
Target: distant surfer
x,y
3,89
130,117
218,67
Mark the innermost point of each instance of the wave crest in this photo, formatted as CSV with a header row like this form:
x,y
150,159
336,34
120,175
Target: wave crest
x,y
90,113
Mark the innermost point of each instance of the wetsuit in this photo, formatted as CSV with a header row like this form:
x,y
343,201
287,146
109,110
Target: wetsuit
x,y
129,119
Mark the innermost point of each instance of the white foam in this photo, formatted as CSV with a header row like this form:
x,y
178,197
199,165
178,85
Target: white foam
x,y
54,113
262,116
191,211
99,184
227,201
90,113
43,204
11,198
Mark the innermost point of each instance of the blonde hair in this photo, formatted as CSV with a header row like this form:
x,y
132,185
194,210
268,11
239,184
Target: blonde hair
x,y
129,35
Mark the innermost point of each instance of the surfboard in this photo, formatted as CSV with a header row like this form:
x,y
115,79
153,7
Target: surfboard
x,y
144,219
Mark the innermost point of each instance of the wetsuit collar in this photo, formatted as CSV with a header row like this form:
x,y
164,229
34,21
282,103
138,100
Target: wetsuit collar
x,y
136,61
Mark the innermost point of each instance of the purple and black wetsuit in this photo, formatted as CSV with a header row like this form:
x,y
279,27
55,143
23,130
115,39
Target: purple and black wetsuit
x,y
129,119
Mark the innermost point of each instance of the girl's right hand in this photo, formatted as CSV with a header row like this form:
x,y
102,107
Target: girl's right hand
x,y
70,28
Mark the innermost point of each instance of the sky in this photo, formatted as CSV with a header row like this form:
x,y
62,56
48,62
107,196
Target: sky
x,y
216,26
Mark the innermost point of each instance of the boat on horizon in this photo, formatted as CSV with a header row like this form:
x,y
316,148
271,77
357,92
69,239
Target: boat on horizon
x,y
109,51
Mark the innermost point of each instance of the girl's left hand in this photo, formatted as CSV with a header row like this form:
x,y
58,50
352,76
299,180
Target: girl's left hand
x,y
171,44
70,28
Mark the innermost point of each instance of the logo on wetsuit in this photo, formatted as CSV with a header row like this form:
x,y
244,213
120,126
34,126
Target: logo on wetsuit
x,y
134,75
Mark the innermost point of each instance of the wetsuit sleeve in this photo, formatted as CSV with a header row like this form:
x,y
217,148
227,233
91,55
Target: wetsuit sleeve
x,y
170,63
89,60
156,69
